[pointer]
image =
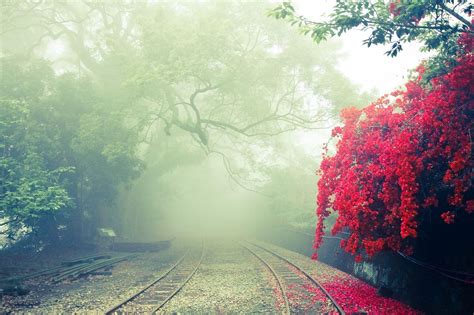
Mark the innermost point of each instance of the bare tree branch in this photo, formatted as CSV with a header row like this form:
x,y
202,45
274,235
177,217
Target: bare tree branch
x,y
456,15
233,176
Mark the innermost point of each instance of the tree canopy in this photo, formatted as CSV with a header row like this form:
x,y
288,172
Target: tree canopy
x,y
435,23
403,163
93,89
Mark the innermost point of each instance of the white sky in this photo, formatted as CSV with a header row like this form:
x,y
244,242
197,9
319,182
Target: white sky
x,y
370,68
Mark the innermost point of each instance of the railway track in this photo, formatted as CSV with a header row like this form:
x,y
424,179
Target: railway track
x,y
74,269
90,268
155,295
293,281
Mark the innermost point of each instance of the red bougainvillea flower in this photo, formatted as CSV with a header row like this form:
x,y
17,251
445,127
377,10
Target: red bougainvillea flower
x,y
354,295
394,8
448,217
407,154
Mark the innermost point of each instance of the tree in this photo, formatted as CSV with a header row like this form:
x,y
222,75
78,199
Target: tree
x,y
145,51
29,189
123,74
242,75
64,154
436,23
402,163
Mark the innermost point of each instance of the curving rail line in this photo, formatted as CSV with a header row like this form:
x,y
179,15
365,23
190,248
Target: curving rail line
x,y
277,278
286,277
155,295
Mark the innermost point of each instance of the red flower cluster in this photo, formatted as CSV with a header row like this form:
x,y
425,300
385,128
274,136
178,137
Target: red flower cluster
x,y
394,8
355,296
398,10
407,154
448,217
352,294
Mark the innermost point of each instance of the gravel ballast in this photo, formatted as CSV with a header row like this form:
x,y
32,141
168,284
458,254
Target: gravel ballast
x,y
229,280
93,293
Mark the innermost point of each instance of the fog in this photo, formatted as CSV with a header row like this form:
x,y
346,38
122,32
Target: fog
x,y
160,119
197,199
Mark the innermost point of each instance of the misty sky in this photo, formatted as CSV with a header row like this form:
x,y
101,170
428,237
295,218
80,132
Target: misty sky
x,y
370,68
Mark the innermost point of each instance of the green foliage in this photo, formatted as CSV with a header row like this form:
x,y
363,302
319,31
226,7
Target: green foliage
x,y
28,189
124,82
105,152
241,73
291,192
60,150
437,24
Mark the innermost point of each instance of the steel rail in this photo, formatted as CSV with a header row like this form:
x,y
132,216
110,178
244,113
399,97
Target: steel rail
x,y
131,298
308,276
277,278
182,284
64,268
88,268
117,308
